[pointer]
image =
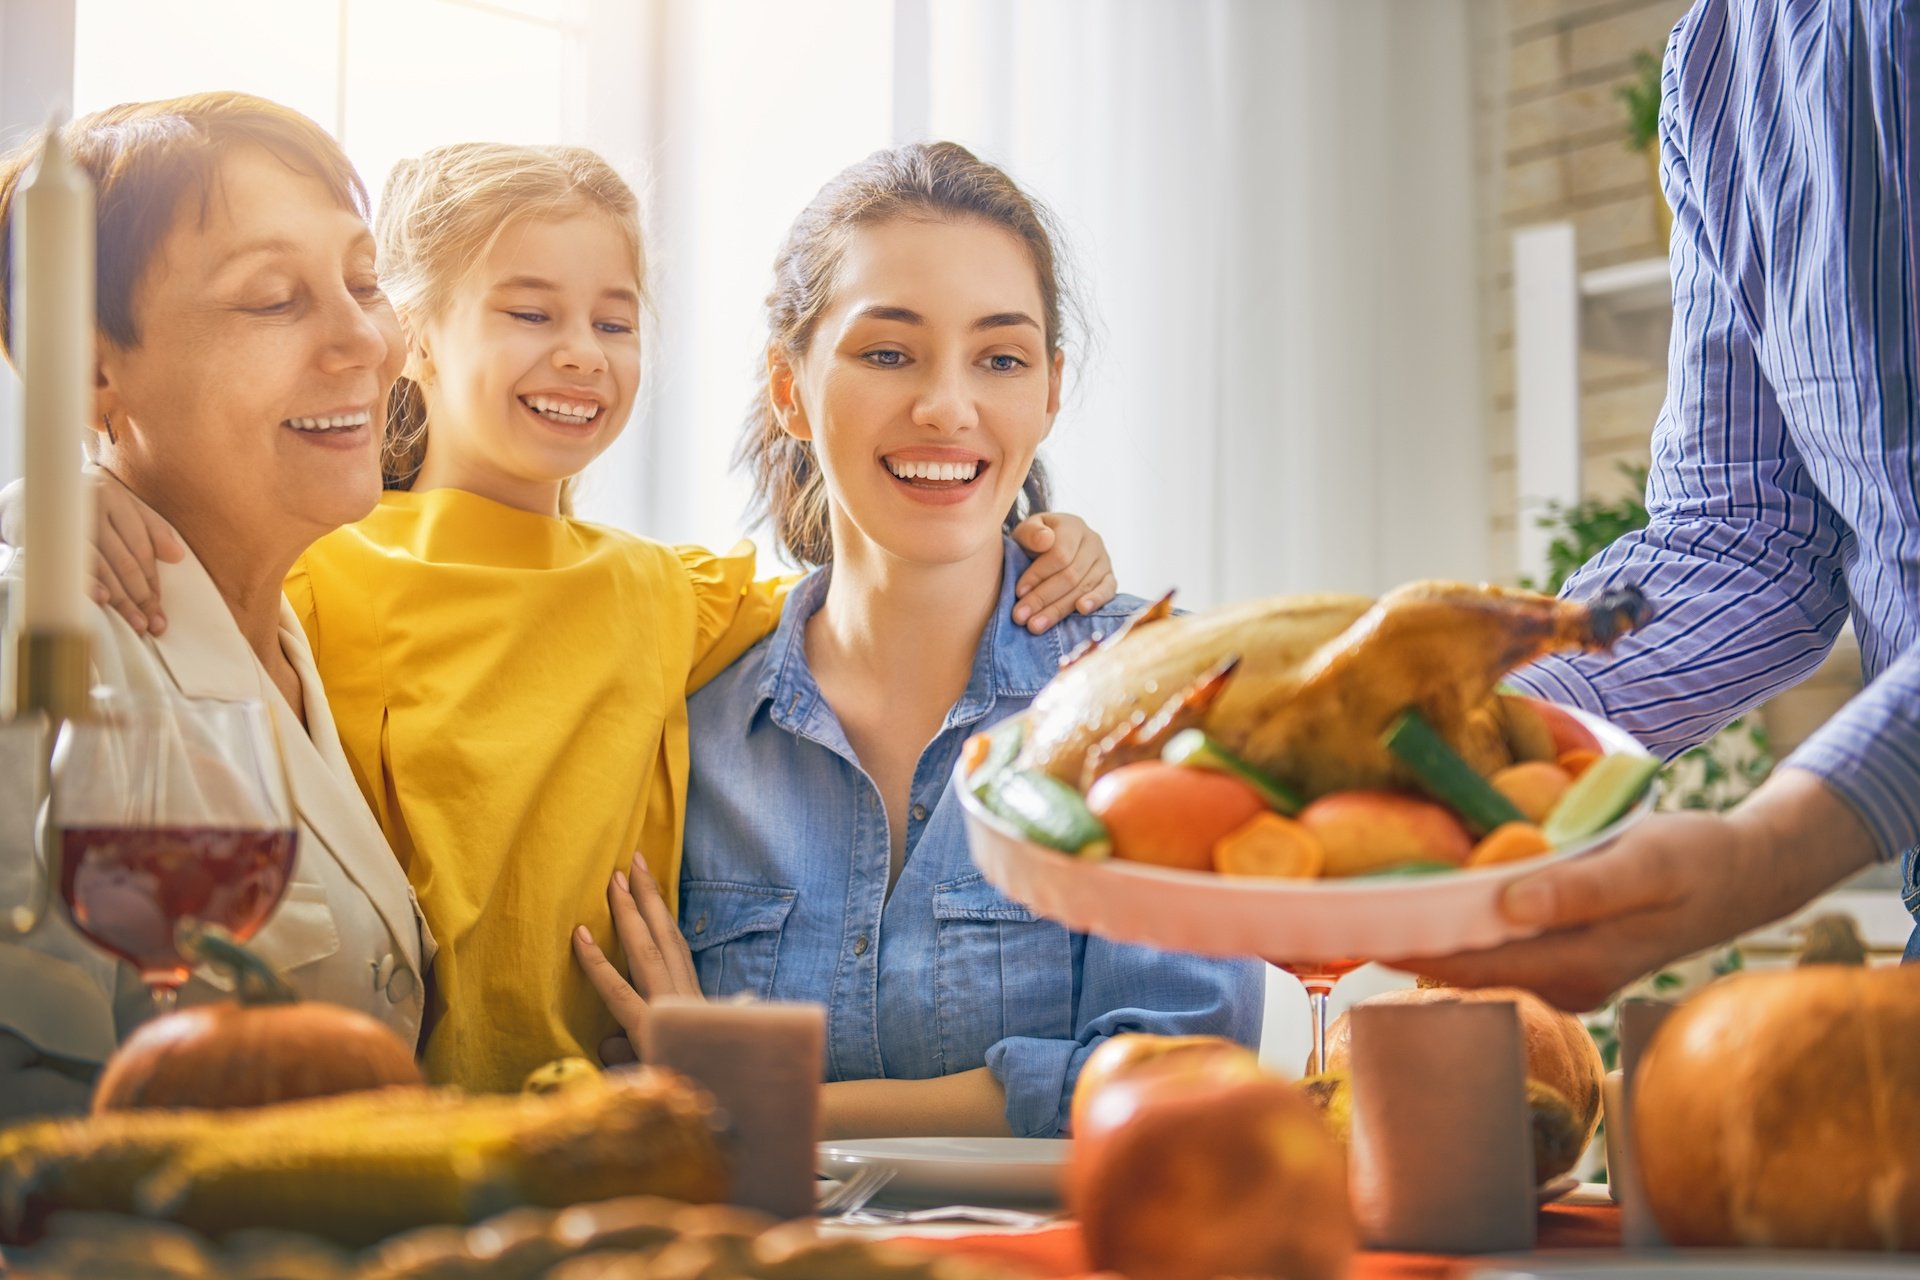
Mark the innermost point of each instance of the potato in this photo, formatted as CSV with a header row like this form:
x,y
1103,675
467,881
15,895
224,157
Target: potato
x,y
1364,831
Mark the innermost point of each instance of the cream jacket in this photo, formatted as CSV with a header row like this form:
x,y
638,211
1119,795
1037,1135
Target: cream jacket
x,y
348,931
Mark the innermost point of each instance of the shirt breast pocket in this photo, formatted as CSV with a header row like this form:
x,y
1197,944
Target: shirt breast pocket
x,y
734,932
998,971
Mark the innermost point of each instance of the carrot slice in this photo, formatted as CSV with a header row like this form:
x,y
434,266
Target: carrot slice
x,y
1509,843
1269,845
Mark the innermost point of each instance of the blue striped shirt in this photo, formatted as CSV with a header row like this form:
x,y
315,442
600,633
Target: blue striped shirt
x,y
1785,489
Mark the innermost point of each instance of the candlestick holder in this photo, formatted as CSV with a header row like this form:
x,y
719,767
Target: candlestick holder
x,y
51,676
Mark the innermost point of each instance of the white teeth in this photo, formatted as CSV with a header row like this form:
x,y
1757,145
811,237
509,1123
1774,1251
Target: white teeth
x,y
933,470
573,413
331,422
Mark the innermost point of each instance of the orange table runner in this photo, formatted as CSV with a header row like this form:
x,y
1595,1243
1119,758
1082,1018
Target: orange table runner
x,y
1057,1251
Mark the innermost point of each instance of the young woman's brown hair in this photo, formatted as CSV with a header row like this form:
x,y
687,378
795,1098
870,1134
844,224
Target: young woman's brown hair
x,y
932,180
441,213
146,159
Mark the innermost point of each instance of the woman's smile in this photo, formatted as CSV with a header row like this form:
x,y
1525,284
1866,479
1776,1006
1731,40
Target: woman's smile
x,y
934,475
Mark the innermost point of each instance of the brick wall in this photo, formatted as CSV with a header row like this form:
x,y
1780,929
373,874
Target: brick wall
x,y
1560,156
1552,149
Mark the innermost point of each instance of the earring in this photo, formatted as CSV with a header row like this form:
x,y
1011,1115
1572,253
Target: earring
x,y
106,420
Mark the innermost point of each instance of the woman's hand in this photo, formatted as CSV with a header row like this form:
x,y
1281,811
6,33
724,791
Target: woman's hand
x,y
1070,571
1673,884
657,958
129,541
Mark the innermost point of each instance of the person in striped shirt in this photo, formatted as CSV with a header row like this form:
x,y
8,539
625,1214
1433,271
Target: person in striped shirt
x,y
1784,495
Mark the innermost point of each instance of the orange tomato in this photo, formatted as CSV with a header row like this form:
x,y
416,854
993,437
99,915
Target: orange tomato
x,y
1169,815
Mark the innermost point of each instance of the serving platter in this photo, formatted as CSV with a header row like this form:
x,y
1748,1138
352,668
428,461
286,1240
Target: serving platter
x,y
1283,920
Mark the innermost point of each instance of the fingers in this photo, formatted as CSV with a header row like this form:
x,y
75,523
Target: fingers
x,y
646,964
108,589
622,1001
1036,534
128,550
617,1051
1062,592
665,930
1577,970
166,543
1637,874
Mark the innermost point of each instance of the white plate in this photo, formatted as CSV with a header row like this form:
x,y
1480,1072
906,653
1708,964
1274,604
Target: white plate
x,y
1708,1265
1014,1172
1284,921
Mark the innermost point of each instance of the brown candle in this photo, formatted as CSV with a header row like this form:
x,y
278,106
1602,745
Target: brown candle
x,y
1442,1157
762,1064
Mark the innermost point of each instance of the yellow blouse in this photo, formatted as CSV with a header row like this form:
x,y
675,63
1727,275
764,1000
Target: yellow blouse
x,y
511,691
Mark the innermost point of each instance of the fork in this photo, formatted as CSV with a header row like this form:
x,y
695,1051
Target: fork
x,y
854,1193
1015,1218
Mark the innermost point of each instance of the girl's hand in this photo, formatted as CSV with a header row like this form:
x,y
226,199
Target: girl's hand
x,y
129,541
657,956
1070,571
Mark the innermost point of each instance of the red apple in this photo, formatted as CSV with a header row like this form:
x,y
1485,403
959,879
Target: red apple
x,y
1192,1058
1173,1179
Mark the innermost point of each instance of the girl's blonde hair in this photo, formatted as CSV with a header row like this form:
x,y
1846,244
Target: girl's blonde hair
x,y
930,180
440,216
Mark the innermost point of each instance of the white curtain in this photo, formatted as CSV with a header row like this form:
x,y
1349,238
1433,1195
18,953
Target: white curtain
x,y
1270,207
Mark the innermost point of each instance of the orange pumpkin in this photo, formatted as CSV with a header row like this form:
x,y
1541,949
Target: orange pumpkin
x,y
1782,1110
1560,1051
265,1047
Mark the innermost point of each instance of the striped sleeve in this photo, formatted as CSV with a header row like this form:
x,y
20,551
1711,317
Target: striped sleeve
x,y
1870,754
1742,557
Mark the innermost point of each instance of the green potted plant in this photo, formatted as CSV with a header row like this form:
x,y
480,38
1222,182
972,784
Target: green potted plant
x,y
1641,97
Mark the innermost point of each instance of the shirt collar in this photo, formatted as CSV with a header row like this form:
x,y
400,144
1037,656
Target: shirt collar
x,y
1010,663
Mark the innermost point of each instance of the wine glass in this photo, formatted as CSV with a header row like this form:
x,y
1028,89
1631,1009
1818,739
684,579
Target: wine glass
x,y
165,812
1318,977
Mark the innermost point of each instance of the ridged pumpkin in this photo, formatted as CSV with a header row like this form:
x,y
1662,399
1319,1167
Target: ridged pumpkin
x,y
1782,1110
263,1048
1560,1051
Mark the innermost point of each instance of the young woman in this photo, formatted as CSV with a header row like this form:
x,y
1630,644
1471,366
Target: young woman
x,y
914,366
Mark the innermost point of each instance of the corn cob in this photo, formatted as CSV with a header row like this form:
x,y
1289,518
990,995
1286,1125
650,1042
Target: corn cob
x,y
362,1166
394,1165
81,1165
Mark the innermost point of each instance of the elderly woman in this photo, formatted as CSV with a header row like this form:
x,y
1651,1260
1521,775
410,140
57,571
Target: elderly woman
x,y
245,354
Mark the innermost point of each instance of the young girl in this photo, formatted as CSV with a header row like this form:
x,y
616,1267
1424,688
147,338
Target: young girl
x,y
913,368
510,683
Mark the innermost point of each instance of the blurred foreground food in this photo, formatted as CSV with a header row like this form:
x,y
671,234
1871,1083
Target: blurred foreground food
x,y
360,1167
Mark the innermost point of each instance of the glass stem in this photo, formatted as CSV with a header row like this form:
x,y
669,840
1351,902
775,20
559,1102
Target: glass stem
x,y
1317,1008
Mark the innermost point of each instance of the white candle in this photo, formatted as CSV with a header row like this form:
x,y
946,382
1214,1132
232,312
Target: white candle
x,y
53,344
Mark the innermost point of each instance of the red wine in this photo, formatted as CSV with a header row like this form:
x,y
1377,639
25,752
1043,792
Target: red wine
x,y
127,887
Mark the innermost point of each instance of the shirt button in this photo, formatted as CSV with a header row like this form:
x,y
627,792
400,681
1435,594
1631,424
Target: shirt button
x,y
700,925
919,813
860,945
401,986
383,972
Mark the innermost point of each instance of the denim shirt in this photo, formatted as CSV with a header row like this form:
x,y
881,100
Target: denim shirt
x,y
783,888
